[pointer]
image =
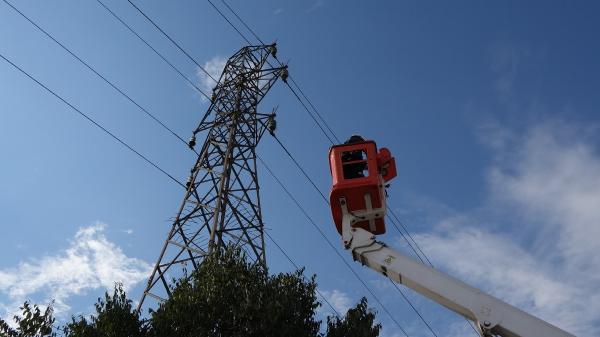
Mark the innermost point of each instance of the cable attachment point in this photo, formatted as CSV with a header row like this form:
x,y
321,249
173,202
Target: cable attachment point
x,y
213,97
192,142
274,50
285,73
272,124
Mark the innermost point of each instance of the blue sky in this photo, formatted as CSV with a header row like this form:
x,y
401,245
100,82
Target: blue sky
x,y
491,110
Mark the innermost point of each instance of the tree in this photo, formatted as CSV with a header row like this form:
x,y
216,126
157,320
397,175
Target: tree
x,y
358,322
31,323
115,317
228,296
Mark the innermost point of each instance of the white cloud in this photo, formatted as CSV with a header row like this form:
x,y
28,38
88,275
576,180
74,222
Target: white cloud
x,y
214,67
549,264
338,299
90,262
556,180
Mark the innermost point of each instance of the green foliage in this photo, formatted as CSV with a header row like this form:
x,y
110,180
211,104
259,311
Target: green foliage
x,y
32,323
115,317
290,305
80,327
227,296
359,322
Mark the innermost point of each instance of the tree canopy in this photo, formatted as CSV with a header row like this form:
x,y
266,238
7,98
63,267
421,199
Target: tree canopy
x,y
358,322
227,296
32,322
115,317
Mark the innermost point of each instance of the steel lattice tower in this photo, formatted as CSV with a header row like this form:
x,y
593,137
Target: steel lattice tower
x,y
222,203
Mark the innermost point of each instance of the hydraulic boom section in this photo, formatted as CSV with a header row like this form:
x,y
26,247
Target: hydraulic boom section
x,y
359,208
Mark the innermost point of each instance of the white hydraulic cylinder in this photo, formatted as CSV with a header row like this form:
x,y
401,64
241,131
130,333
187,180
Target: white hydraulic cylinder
x,y
492,316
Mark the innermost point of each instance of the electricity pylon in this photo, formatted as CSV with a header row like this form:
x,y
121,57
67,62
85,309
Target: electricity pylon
x,y
222,203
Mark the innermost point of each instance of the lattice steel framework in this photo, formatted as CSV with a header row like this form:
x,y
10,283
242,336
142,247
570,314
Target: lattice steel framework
x,y
222,204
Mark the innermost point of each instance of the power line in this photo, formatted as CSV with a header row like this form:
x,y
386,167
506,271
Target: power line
x,y
327,202
311,114
290,77
94,71
392,220
298,268
190,82
145,158
287,256
322,130
226,19
180,73
301,169
193,60
412,306
172,41
315,109
338,141
308,217
240,19
289,154
125,95
116,138
411,238
261,41
112,135
424,255
280,63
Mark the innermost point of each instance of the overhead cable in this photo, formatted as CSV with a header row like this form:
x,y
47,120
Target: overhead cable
x,y
281,64
411,237
392,220
310,180
91,120
323,131
171,39
129,147
261,41
94,71
193,60
150,115
187,79
334,310
332,246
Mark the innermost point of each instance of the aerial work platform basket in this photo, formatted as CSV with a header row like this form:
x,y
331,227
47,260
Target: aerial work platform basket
x,y
359,174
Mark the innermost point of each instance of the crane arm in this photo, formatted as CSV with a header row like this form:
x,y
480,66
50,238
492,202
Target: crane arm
x,y
493,316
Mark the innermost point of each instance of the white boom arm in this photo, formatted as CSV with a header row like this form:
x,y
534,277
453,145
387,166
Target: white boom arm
x,y
492,316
